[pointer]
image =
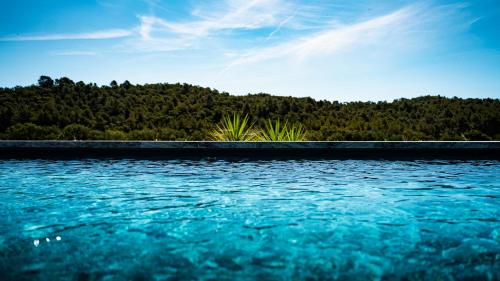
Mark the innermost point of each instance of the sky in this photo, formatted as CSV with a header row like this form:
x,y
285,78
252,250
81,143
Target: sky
x,y
365,50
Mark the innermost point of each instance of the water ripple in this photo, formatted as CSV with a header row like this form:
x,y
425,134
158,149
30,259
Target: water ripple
x,y
249,220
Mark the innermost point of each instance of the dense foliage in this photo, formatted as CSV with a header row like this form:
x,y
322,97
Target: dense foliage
x,y
63,109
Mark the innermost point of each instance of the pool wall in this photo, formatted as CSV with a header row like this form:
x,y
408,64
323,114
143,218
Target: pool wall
x,y
202,149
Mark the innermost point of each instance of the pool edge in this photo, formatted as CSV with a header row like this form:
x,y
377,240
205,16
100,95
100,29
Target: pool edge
x,y
267,150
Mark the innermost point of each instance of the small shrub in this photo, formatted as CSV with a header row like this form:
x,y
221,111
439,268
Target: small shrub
x,y
76,132
95,135
296,133
167,134
273,131
234,129
475,135
30,131
114,135
146,134
282,132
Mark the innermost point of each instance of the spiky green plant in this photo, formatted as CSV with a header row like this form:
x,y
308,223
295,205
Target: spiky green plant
x,y
234,129
296,133
273,131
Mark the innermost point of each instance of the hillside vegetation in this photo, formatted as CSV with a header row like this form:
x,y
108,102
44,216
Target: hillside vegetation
x,y
63,109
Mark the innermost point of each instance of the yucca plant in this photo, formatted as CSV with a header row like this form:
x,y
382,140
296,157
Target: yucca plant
x,y
278,131
296,133
234,129
273,131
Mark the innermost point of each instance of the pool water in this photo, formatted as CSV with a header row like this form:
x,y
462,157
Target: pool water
x,y
249,220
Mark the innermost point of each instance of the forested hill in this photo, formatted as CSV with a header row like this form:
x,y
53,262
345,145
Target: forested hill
x,y
63,109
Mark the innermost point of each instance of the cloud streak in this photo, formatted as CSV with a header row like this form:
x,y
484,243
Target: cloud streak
x,y
74,53
98,35
280,25
331,40
235,14
217,25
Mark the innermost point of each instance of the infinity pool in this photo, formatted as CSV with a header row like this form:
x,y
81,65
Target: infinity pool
x,y
249,220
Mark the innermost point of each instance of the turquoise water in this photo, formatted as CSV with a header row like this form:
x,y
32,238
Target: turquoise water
x,y
250,220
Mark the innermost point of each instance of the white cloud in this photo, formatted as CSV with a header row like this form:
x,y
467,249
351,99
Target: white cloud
x,y
232,14
280,25
334,39
105,34
74,53
213,27
209,25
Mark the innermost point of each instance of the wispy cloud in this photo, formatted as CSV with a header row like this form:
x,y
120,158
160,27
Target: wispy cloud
x,y
280,25
231,15
74,53
104,34
331,40
212,24
216,25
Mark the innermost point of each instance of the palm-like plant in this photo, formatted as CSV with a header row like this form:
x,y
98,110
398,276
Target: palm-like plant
x,y
233,129
296,133
282,132
273,131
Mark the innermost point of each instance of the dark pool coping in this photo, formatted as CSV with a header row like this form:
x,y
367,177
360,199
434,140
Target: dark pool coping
x,y
203,149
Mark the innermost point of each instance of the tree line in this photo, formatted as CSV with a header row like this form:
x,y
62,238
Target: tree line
x,y
68,110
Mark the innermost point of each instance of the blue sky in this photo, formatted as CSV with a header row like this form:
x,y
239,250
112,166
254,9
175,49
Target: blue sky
x,y
327,49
